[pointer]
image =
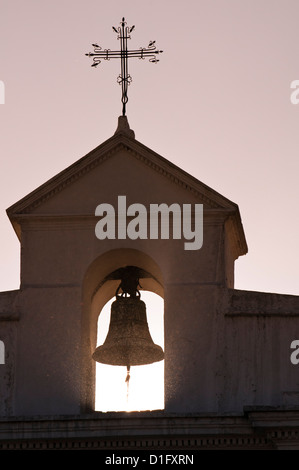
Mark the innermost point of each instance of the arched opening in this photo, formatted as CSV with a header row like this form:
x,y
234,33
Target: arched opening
x,y
99,287
145,390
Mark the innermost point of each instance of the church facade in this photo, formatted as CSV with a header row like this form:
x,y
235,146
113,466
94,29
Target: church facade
x,y
231,378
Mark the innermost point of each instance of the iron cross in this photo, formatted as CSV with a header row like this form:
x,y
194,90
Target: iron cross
x,y
124,79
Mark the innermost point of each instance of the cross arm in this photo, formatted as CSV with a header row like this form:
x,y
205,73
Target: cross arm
x,y
150,52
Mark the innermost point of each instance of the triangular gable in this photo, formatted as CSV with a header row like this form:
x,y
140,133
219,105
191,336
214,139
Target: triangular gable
x,y
123,139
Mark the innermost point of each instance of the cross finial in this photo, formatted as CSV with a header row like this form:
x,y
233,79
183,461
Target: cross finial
x,y
124,79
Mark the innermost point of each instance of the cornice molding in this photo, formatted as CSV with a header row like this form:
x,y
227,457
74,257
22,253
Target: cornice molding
x,y
151,430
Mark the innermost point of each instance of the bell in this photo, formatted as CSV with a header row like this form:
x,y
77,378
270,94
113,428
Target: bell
x,y
128,342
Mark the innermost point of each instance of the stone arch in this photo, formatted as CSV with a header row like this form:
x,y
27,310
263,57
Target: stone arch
x,y
99,285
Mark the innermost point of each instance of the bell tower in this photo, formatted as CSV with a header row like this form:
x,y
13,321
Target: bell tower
x,y
92,233
68,273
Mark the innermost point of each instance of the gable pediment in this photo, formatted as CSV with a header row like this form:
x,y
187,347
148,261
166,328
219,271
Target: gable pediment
x,y
119,166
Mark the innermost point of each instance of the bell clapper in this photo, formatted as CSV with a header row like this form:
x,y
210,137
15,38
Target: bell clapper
x,y
127,382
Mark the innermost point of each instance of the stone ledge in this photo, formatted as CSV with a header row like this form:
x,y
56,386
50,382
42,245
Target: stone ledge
x,y
122,431
240,303
258,428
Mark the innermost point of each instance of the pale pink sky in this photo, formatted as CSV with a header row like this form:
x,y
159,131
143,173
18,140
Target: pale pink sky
x,y
217,105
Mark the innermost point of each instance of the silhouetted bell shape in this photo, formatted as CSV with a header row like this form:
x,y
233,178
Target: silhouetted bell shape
x,y
128,342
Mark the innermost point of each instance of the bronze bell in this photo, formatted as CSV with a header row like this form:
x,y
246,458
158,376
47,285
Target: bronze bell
x,y
128,342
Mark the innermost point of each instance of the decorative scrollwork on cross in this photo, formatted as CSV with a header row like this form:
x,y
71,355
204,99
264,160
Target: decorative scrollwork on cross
x,y
124,79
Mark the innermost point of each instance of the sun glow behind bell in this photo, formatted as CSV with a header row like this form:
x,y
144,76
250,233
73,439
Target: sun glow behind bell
x,y
146,387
